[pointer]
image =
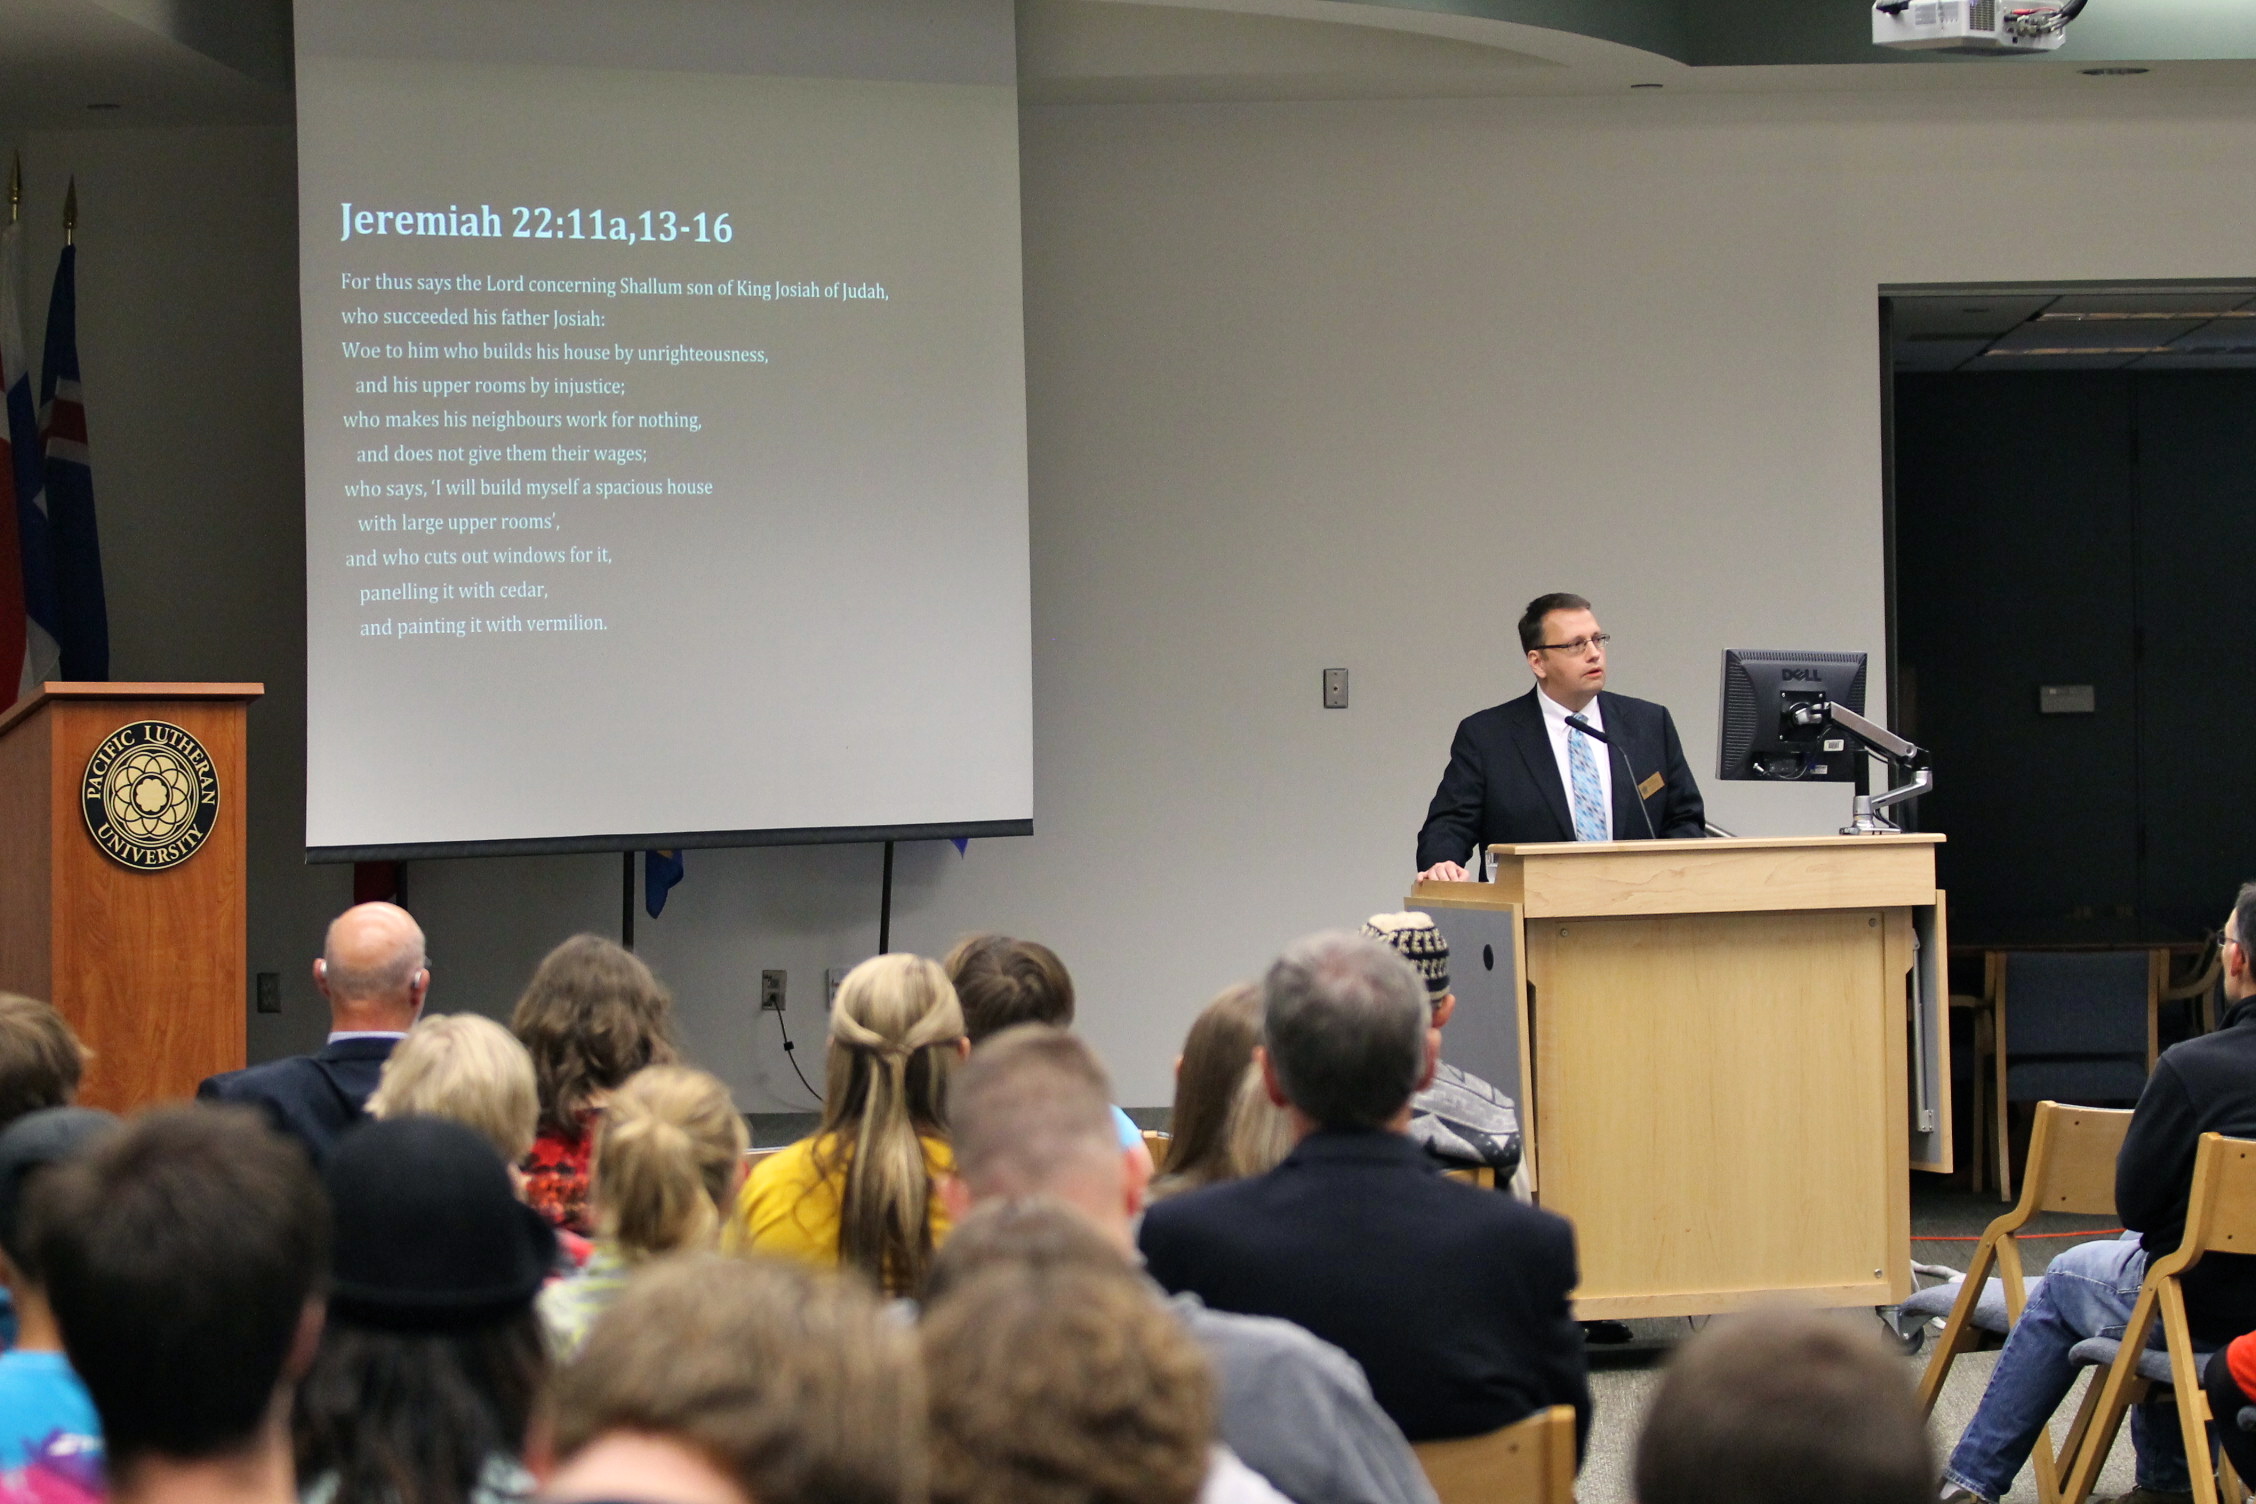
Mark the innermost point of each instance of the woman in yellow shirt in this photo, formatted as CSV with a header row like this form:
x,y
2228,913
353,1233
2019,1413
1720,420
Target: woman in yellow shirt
x,y
864,1191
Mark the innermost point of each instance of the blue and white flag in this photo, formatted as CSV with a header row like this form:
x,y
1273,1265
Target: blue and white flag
x,y
660,871
82,616
41,657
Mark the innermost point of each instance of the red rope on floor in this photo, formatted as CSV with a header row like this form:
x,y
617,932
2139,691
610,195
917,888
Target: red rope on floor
x,y
2026,1237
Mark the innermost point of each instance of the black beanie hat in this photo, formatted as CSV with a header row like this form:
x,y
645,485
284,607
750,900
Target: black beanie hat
x,y
430,1236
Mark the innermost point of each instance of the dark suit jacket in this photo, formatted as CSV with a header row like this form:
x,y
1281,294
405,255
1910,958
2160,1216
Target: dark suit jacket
x,y
313,1098
1454,1299
1503,784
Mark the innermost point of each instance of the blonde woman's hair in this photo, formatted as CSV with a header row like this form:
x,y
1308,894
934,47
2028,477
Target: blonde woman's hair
x,y
893,1032
468,1069
666,1158
1259,1134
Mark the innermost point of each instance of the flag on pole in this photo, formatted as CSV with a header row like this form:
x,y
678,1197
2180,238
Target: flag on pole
x,y
82,616
29,655
660,871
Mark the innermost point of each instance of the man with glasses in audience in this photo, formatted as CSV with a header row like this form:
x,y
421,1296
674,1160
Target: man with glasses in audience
x,y
1519,772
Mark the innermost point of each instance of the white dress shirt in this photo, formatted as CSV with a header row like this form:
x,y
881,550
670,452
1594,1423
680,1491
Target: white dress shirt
x,y
1601,756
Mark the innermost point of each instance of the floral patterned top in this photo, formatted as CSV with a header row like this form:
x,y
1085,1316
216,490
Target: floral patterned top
x,y
556,1174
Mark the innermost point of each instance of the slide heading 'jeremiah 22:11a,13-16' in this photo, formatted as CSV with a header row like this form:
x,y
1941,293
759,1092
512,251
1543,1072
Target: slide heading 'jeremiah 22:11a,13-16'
x,y
663,226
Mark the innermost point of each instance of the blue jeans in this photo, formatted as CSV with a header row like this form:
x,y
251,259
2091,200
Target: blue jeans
x,y
2087,1292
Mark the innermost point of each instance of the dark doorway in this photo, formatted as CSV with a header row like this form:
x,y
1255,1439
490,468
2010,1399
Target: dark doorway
x,y
2075,637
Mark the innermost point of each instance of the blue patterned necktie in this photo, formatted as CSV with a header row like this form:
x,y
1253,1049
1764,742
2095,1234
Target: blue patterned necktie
x,y
1589,808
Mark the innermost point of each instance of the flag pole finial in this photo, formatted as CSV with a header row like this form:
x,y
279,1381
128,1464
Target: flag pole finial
x,y
70,212
15,189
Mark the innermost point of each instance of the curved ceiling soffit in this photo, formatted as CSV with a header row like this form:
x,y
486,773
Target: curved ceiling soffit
x,y
1727,33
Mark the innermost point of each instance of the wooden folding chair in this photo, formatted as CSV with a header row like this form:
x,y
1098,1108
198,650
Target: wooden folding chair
x,y
1157,1144
2220,1218
2071,1169
1528,1462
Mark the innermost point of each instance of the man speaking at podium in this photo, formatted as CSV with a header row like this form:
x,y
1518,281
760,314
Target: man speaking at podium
x,y
1523,771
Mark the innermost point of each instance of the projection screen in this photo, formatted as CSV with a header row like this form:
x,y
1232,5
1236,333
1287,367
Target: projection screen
x,y
665,424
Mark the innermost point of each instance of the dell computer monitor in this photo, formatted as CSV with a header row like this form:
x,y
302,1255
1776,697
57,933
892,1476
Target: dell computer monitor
x,y
1761,689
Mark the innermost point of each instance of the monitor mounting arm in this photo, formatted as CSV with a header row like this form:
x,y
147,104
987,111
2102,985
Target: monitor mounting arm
x,y
1902,756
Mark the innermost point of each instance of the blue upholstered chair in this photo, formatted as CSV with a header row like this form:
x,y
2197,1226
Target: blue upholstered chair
x,y
2072,1026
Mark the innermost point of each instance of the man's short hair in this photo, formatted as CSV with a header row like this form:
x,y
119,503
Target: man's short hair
x,y
1531,620
41,1060
1345,1020
1033,1232
1778,1406
1030,1104
469,1069
2244,920
793,1381
1050,1387
179,1255
1001,981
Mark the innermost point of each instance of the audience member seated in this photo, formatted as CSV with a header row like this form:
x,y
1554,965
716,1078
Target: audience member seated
x,y
863,1192
669,1161
40,1064
373,973
2231,1382
469,1070
1780,1406
1001,982
41,1060
729,1381
1030,1120
592,1016
1459,1118
1216,1055
185,1257
2204,1085
1072,1384
427,1372
50,1439
1454,1300
1261,1133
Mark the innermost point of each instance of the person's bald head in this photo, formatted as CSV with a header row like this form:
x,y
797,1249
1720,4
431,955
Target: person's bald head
x,y
372,968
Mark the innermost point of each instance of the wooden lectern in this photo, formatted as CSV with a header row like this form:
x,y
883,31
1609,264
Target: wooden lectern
x,y
122,877
1729,1056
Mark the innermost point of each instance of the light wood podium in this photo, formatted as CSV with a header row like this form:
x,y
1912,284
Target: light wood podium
x,y
143,951
1729,1056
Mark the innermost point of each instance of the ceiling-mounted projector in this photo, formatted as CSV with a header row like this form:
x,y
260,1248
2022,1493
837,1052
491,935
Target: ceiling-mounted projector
x,y
1991,28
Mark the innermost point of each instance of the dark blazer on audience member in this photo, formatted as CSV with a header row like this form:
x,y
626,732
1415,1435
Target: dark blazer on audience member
x,y
1453,1298
313,1098
1503,785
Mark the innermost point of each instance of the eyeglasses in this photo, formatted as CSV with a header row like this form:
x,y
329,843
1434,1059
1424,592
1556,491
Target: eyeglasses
x,y
1579,646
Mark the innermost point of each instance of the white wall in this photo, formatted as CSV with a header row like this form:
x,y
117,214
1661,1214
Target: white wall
x,y
1309,385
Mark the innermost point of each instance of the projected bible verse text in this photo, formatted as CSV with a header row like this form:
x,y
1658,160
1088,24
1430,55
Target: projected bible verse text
x,y
475,401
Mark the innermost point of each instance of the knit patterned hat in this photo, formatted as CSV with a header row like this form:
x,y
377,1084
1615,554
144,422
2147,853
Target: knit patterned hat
x,y
1415,939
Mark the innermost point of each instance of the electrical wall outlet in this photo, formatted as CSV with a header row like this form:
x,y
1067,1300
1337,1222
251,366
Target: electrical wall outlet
x,y
831,979
1335,689
771,991
268,991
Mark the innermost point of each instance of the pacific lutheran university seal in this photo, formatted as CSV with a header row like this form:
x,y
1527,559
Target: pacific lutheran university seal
x,y
151,795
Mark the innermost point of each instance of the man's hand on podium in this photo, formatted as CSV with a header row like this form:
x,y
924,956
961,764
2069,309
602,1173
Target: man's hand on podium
x,y
1444,872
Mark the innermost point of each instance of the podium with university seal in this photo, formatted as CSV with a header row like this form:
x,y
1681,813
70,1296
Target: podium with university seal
x,y
122,873
1729,1055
